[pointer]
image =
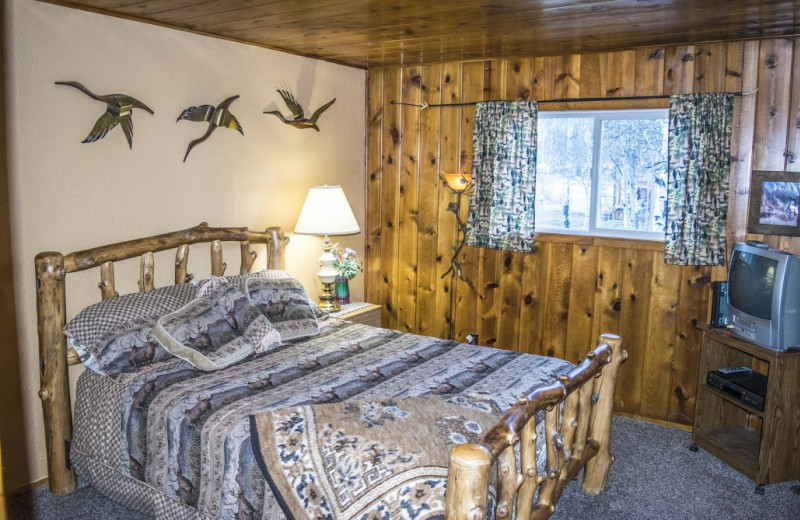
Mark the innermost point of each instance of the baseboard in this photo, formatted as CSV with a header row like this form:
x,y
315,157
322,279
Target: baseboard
x,y
28,489
668,424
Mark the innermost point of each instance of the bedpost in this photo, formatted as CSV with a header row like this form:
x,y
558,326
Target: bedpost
x,y
467,482
596,473
54,391
276,250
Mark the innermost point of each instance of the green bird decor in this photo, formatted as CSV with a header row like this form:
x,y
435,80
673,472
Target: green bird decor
x,y
299,121
119,109
218,116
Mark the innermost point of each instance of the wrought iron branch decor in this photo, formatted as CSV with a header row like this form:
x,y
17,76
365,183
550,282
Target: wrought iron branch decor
x,y
423,105
118,112
218,116
458,184
299,121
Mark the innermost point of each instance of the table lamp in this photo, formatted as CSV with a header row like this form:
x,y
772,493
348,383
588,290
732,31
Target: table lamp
x,y
326,212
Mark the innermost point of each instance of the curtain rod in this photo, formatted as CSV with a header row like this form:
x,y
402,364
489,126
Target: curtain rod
x,y
423,106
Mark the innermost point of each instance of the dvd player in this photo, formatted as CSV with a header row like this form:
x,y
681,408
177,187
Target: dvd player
x,y
748,386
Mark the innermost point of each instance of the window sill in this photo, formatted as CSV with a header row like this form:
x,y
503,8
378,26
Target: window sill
x,y
591,240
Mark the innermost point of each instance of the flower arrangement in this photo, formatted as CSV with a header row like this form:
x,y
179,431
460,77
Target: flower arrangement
x,y
347,263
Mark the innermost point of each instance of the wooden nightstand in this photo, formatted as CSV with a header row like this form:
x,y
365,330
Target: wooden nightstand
x,y
365,313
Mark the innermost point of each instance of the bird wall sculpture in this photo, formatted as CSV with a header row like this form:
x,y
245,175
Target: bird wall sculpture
x,y
218,116
118,112
299,120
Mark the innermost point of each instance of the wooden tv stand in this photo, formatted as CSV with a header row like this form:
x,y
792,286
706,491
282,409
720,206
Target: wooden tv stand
x,y
762,445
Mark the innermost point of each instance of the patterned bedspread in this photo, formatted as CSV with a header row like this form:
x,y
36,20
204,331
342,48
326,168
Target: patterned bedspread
x,y
186,433
383,458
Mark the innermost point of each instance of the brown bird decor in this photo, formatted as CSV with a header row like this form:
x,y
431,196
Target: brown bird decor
x,y
299,120
118,112
214,116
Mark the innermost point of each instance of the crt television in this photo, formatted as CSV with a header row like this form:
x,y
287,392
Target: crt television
x,y
764,295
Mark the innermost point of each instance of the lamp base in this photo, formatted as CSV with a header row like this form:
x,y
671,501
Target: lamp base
x,y
327,300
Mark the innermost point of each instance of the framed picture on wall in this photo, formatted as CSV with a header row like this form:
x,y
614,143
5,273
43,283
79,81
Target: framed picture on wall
x,y
774,203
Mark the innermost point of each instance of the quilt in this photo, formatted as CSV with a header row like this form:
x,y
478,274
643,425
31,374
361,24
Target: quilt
x,y
173,438
384,458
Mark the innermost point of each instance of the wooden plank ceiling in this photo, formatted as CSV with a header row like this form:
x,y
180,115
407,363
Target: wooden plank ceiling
x,y
367,33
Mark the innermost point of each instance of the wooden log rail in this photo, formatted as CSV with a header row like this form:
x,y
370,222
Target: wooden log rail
x,y
575,436
88,258
51,270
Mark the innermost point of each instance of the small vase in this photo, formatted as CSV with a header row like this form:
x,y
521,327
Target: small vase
x,y
342,290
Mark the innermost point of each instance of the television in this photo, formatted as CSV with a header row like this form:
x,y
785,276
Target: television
x,y
764,295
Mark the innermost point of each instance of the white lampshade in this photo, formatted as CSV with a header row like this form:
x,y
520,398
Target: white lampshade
x,y
326,212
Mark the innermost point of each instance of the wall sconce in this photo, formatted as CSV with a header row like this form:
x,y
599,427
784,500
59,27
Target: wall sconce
x,y
458,184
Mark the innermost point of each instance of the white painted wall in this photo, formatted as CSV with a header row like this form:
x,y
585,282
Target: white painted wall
x,y
66,195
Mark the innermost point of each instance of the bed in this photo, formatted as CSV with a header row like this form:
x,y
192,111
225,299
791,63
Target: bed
x,y
321,418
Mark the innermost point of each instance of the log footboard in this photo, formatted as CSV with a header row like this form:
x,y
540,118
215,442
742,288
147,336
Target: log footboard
x,y
577,435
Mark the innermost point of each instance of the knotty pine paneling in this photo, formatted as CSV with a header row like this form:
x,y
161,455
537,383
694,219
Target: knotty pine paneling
x,y
466,293
557,299
454,77
374,222
408,224
390,191
427,239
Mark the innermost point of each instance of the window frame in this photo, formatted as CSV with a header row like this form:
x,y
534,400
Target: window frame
x,y
599,116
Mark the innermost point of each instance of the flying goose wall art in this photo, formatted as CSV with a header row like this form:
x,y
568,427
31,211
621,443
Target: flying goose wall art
x,y
218,116
119,109
299,121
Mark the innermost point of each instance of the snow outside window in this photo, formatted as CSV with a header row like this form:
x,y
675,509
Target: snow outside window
x,y
602,173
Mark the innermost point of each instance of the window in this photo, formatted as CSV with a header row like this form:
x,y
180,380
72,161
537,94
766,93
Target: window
x,y
602,173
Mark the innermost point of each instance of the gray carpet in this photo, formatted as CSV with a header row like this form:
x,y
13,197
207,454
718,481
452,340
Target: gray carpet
x,y
656,476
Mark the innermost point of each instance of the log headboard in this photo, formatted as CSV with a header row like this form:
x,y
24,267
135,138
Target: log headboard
x,y
51,270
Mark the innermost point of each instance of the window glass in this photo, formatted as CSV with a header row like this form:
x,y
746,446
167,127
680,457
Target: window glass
x,y
602,172
564,172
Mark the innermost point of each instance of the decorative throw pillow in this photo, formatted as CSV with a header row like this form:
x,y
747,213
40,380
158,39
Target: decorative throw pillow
x,y
219,328
238,280
321,314
112,337
285,303
245,317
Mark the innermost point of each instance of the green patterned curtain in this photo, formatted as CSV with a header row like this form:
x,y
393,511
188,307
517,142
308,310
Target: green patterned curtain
x,y
697,189
501,203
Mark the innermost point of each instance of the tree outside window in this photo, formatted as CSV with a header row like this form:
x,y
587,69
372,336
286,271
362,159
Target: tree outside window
x,y
602,173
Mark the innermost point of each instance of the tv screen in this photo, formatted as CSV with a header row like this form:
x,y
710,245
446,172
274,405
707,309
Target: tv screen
x,y
751,282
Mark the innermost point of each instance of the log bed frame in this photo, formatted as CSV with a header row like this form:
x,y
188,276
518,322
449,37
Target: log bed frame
x,y
576,438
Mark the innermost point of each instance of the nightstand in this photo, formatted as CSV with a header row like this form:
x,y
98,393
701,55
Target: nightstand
x,y
360,312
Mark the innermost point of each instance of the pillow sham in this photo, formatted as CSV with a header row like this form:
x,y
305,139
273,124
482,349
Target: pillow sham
x,y
112,337
219,328
285,304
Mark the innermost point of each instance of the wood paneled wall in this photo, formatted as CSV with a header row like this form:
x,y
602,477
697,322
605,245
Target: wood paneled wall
x,y
556,300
